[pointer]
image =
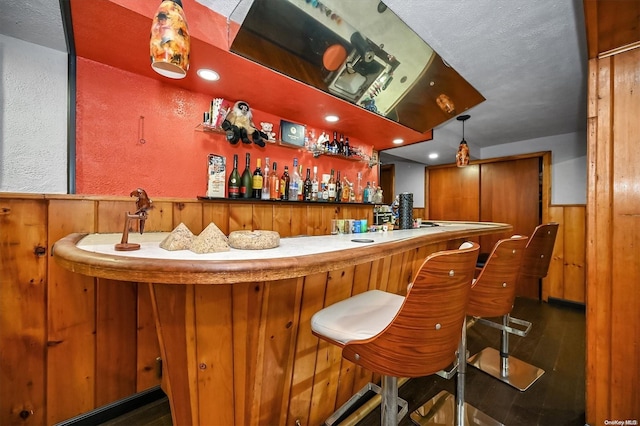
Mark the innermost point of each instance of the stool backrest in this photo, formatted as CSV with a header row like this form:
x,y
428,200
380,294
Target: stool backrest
x,y
494,291
423,337
537,255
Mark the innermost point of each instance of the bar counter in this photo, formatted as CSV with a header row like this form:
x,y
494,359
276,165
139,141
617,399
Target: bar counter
x,y
240,350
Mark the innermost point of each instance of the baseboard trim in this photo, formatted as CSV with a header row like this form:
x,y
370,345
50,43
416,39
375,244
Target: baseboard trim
x,y
115,409
567,303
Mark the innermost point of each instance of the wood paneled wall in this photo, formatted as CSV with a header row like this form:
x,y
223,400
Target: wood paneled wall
x,y
71,343
493,190
613,239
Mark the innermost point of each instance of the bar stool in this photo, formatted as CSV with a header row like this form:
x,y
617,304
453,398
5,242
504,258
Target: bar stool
x,y
411,336
493,291
499,364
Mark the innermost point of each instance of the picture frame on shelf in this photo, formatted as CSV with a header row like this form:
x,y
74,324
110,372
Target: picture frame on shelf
x,y
292,134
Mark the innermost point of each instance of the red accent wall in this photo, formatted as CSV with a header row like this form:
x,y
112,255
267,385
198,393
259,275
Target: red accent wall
x,y
111,160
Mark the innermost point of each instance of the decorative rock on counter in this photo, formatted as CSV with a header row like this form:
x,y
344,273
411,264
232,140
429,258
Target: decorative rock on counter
x,y
213,240
210,240
179,239
254,240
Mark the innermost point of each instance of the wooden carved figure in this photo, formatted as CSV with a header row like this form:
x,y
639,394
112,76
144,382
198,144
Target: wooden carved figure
x,y
143,203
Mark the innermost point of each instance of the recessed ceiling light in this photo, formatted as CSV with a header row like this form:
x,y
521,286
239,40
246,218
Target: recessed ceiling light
x,y
433,155
332,118
398,141
208,74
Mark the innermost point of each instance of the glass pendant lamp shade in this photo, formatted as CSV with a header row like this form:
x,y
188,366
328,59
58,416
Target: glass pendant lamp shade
x,y
462,157
170,43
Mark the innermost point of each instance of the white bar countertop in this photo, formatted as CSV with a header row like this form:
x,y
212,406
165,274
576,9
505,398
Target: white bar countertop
x,y
95,254
289,247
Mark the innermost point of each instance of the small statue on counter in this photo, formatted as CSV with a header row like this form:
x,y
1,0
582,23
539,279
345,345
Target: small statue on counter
x,y
239,125
143,203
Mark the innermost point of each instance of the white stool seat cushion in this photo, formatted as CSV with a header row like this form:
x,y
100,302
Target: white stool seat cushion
x,y
357,318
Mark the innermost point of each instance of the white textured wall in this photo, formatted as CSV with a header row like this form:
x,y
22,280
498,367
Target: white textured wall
x,y
33,118
410,178
568,163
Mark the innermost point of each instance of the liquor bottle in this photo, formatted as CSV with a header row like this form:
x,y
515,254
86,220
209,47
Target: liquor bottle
x,y
358,188
365,193
294,185
372,192
324,192
341,145
338,188
314,184
307,186
285,182
257,181
333,148
233,186
347,148
246,182
300,184
331,187
346,190
265,185
274,183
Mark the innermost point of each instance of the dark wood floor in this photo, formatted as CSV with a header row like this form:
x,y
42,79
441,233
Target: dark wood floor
x,y
556,343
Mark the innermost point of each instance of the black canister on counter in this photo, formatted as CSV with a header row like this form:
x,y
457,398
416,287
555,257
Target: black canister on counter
x,y
405,210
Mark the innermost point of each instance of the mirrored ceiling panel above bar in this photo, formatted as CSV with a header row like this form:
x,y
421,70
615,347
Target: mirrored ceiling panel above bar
x,y
359,51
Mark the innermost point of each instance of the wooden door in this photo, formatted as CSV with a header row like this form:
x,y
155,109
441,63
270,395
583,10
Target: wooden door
x,y
511,194
388,182
454,193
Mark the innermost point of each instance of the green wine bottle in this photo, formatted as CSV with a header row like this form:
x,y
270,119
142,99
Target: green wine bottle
x,y
246,186
233,186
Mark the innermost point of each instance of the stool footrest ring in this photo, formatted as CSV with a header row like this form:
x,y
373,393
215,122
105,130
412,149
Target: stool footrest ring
x,y
522,330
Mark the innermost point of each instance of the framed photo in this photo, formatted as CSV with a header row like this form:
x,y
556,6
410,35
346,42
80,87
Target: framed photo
x,y
292,133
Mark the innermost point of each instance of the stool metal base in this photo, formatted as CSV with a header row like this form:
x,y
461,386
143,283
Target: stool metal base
x,y
339,417
519,374
441,410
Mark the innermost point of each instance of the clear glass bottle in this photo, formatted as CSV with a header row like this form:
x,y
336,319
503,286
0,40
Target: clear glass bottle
x,y
294,185
300,184
346,190
314,184
266,185
274,183
358,188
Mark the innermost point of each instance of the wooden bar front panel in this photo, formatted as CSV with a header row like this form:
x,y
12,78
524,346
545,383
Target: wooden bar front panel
x,y
51,318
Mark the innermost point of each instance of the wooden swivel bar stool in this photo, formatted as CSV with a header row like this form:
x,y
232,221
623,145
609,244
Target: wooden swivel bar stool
x,y
412,336
493,291
510,370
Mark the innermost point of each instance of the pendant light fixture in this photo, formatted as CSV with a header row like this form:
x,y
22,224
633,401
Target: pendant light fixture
x,y
462,157
170,43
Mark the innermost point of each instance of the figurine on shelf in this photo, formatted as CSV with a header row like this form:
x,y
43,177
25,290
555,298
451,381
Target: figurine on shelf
x,y
238,124
267,129
143,203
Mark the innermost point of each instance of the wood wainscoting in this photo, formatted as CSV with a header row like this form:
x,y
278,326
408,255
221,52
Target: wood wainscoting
x,y
70,343
515,190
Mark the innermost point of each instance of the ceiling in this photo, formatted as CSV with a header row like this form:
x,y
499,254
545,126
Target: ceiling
x,y
528,59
